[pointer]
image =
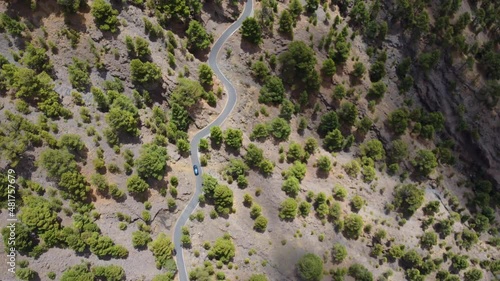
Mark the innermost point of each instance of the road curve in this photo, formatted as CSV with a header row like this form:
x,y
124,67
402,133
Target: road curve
x,y
228,108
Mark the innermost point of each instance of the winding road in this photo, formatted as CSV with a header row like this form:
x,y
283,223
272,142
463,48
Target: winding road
x,y
228,108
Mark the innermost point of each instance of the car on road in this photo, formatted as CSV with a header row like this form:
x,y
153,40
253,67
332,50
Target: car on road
x,y
195,169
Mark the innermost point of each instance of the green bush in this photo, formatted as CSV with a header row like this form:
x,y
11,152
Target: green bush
x,y
198,38
273,90
279,129
408,198
144,72
377,90
353,226
298,65
260,224
162,248
310,267
251,30
339,253
288,209
105,16
425,162
223,249
359,272
152,161
79,74
136,185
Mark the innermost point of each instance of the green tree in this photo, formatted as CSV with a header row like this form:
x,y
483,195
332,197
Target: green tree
x,y
408,198
280,129
328,68
260,224
24,239
287,109
324,163
353,226
359,70
473,274
198,38
251,30
144,72
459,262
334,141
141,48
216,135
57,162
425,162
69,5
223,199
286,23
295,152
398,120
359,272
428,239
223,249
310,267
79,74
297,170
136,185
72,141
254,155
75,185
233,138
373,149
357,202
258,277
162,248
377,71
206,75
179,118
104,15
152,161
38,216
37,59
273,90
295,8
298,64
312,5
411,259
304,208
25,274
348,113
260,70
288,209
80,272
110,273
187,93
100,99
140,239
398,151
122,121
428,61
291,186
328,123
339,253
377,90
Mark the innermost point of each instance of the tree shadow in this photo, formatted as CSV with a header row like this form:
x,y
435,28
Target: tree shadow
x,y
249,48
322,174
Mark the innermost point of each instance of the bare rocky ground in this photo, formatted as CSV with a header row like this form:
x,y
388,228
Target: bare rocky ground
x,y
281,259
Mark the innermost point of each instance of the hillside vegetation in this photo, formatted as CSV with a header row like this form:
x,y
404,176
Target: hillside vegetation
x,y
364,143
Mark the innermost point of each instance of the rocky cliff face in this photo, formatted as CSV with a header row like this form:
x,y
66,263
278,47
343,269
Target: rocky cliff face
x,y
453,91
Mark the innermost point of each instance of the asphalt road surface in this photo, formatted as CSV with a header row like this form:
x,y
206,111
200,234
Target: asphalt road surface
x,y
231,102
